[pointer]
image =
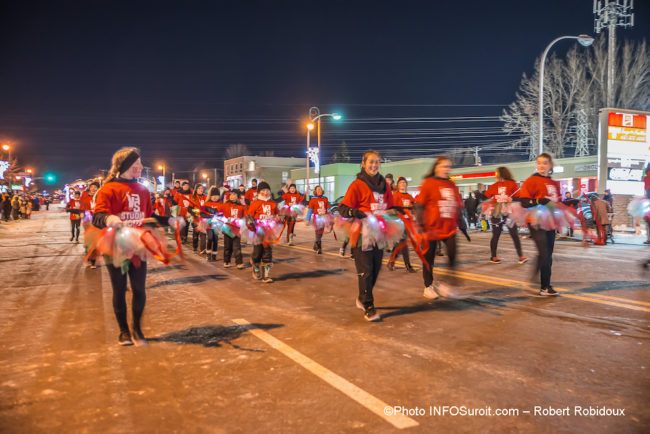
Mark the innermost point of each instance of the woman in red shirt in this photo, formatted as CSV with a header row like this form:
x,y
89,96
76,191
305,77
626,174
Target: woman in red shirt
x,y
367,194
291,198
540,189
318,206
123,201
75,208
503,191
197,201
438,210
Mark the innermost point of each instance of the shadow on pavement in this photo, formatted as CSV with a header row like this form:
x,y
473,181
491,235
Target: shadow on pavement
x,y
189,279
213,336
612,285
308,274
166,268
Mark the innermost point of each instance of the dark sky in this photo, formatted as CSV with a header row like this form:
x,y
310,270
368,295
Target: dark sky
x,y
183,79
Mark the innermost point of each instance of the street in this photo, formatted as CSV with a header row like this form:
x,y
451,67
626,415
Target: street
x,y
230,354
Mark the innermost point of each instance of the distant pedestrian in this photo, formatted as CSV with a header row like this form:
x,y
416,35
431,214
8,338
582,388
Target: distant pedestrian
x,y
601,217
75,209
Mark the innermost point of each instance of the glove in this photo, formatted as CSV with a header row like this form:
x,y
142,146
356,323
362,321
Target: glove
x,y
543,201
357,213
113,221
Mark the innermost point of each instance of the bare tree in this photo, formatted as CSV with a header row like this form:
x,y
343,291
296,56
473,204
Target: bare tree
x,y
578,80
236,150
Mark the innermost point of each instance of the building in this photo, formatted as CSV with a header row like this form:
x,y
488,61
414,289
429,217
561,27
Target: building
x,y
274,170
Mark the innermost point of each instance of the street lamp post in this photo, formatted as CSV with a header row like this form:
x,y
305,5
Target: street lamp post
x,y
7,149
206,178
162,167
585,41
315,116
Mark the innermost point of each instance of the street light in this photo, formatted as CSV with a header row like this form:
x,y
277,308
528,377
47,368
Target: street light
x,y
310,127
316,115
205,178
29,171
585,41
7,149
162,167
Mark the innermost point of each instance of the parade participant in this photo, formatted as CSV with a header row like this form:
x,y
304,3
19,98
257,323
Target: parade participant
x,y
164,204
224,193
124,201
88,205
177,187
291,198
540,189
211,207
404,200
390,181
367,194
263,208
75,209
196,202
232,210
504,190
183,198
251,192
318,206
646,186
439,211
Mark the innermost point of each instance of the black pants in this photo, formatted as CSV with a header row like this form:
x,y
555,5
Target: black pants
x,y
497,227
198,239
184,231
291,224
319,234
75,225
262,254
368,265
138,277
404,251
232,247
430,257
213,241
545,242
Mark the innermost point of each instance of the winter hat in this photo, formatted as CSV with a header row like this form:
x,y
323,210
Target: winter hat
x,y
400,179
226,186
263,186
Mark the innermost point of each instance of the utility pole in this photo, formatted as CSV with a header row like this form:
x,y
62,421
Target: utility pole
x,y
477,158
582,132
609,14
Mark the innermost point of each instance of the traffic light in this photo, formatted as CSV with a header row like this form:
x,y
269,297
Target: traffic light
x,y
50,178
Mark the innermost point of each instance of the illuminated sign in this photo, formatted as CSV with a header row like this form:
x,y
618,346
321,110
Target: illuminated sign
x,y
624,174
4,165
312,153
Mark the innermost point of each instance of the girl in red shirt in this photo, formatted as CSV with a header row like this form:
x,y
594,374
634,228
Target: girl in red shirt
x,y
540,189
209,209
318,206
196,202
123,201
503,191
403,200
263,208
291,198
183,198
438,210
367,194
75,208
232,209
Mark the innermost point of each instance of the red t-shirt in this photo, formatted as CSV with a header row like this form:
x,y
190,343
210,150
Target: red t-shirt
x,y
233,210
161,204
74,204
262,209
541,187
250,194
292,198
212,207
442,203
87,202
502,191
319,205
130,201
361,197
646,180
184,201
403,199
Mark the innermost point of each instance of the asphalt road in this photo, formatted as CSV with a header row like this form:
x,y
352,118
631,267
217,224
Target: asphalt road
x,y
229,354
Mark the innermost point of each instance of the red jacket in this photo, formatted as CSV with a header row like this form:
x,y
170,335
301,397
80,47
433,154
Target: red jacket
x,y
233,210
503,190
319,205
130,201
87,202
361,197
74,205
292,198
184,201
541,187
403,199
162,205
250,194
262,209
442,203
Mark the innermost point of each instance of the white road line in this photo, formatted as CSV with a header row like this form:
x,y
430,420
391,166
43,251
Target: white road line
x,y
359,395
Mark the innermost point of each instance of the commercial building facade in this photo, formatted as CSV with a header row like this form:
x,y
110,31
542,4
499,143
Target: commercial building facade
x,y
274,170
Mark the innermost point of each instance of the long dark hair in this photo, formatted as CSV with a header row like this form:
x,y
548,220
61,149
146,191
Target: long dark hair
x,y
504,172
439,159
196,188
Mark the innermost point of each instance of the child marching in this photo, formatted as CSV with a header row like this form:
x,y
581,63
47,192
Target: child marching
x,y
76,211
367,194
183,199
233,211
503,191
261,216
291,199
405,201
318,206
88,205
210,208
198,228
438,209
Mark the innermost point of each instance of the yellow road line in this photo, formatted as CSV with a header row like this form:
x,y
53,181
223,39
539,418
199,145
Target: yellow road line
x,y
359,395
594,298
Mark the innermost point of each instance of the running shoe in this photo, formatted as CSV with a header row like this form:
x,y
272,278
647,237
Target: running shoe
x,y
371,314
342,251
125,338
240,266
495,260
410,269
523,260
391,265
138,338
226,265
547,291
430,292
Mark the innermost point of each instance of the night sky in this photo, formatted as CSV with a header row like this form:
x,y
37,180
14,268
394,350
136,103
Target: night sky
x,y
184,79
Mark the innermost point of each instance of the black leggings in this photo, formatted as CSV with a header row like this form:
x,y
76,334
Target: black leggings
x,y
497,227
232,247
262,254
291,224
75,225
213,241
138,277
430,256
545,242
368,265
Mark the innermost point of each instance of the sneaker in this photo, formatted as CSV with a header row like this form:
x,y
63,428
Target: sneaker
x,y
391,266
71,238
138,338
226,265
430,292
257,273
495,260
240,266
523,260
291,239
93,267
267,279
410,269
371,314
125,339
547,291
342,251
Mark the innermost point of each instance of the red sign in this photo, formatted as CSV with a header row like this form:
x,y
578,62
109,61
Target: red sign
x,y
627,120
